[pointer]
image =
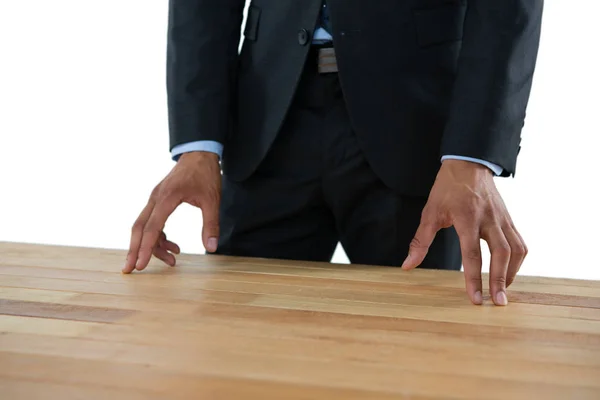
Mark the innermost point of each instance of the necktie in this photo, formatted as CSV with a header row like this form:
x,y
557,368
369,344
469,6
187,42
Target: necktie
x,y
325,23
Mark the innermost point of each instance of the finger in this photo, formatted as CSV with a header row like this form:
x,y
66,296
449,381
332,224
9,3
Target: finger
x,y
164,255
170,246
210,228
167,244
162,238
136,238
470,249
153,229
419,246
500,250
518,252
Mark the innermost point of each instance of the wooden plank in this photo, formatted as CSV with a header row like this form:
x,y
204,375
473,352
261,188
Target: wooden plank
x,y
71,326
18,324
324,288
152,381
167,311
21,254
395,325
300,335
397,377
27,389
172,306
62,311
46,296
492,316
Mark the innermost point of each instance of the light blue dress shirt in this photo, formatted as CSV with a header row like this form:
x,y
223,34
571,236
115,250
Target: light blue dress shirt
x,y
320,36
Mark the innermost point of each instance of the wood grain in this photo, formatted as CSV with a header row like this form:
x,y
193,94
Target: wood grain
x,y
62,311
71,326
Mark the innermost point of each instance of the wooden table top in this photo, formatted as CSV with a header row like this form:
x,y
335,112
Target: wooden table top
x,y
72,326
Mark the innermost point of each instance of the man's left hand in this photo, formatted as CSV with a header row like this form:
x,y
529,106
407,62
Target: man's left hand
x,y
465,196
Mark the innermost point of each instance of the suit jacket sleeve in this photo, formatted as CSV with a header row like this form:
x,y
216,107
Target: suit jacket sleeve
x,y
202,51
494,77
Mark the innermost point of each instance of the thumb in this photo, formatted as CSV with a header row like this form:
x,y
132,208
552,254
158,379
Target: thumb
x,y
419,246
210,226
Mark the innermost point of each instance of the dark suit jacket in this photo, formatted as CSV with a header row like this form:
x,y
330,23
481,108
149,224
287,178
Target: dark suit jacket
x,y
421,78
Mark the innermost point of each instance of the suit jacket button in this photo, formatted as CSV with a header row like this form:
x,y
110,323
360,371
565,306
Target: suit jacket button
x,y
302,37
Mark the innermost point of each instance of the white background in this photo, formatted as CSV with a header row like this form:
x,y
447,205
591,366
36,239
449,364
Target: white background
x,y
83,130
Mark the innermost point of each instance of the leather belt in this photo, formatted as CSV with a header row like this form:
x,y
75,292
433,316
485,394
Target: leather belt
x,y
327,62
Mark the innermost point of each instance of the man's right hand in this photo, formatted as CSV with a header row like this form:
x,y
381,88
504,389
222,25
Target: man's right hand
x,y
195,179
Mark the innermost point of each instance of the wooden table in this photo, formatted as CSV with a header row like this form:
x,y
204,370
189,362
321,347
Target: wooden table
x,y
73,327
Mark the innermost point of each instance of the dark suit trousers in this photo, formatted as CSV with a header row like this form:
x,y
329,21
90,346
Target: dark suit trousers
x,y
315,189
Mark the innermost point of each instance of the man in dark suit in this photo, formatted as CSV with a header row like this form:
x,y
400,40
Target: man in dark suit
x,y
377,124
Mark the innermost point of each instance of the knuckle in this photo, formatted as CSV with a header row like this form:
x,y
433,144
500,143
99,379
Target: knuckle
x,y
499,279
472,254
428,228
164,192
156,191
137,226
519,251
427,211
489,212
416,243
502,250
508,223
475,282
428,215
429,223
475,279
164,195
212,227
467,232
470,209
468,216
492,216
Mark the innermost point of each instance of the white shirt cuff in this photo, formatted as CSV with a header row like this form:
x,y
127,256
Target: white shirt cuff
x,y
495,168
200,145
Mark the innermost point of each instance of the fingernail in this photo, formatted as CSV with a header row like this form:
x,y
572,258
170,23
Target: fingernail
x,y
212,245
478,298
501,299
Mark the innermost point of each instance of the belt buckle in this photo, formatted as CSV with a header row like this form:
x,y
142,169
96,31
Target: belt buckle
x,y
327,62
